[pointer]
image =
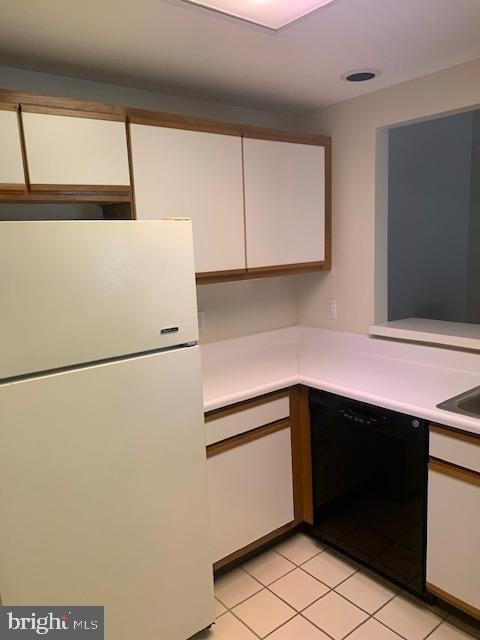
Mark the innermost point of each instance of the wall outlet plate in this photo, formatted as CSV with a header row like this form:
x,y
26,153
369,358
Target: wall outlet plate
x,y
332,308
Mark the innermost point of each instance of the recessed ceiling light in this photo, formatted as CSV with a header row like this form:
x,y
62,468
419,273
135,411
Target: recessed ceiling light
x,y
273,14
360,75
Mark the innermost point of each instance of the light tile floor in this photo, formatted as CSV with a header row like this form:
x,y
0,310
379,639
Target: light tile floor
x,y
300,590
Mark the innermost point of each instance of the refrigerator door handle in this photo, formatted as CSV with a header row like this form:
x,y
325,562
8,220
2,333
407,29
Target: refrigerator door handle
x,y
169,330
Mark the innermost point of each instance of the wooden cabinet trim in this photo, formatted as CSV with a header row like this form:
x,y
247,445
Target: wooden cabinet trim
x,y
279,135
133,210
255,547
327,265
456,434
72,113
261,272
299,423
453,600
15,187
12,187
245,438
62,197
57,105
23,147
222,276
454,471
104,189
227,273
301,454
215,414
304,266
37,103
173,121
11,96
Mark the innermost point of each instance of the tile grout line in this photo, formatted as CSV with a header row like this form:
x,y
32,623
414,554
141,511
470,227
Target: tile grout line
x,y
273,630
359,607
245,624
325,548
297,612
266,588
248,597
434,629
443,616
301,611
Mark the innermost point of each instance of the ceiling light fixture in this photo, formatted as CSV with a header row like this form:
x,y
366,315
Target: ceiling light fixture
x,y
273,14
360,75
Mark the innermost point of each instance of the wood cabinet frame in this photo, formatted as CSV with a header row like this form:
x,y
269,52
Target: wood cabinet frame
x,y
462,474
456,434
15,189
454,471
299,424
140,116
108,195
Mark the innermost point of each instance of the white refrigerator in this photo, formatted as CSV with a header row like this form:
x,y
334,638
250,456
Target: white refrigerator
x,y
103,497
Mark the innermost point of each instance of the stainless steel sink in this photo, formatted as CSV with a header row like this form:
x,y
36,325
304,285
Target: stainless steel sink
x,y
468,403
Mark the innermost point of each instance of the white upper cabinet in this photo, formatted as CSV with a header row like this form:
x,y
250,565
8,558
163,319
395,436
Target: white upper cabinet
x,y
65,150
181,173
284,203
11,164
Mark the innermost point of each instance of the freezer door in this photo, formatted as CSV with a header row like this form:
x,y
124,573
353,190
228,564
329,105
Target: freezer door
x,y
78,292
103,495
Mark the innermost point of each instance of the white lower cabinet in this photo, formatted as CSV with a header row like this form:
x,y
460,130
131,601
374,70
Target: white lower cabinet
x,y
251,491
453,558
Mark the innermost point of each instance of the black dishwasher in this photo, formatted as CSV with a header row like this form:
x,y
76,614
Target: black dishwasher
x,y
369,485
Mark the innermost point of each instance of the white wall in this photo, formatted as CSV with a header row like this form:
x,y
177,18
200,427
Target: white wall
x,y
232,309
251,306
358,277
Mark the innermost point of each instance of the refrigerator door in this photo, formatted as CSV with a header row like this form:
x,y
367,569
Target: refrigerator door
x,y
103,495
78,292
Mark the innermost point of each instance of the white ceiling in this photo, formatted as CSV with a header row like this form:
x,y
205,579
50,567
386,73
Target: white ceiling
x,y
175,47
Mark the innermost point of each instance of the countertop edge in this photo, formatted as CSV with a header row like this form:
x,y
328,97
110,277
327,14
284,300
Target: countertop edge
x,y
249,394
295,371
437,416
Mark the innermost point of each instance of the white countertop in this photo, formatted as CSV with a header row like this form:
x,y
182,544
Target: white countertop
x,y
409,378
453,334
241,368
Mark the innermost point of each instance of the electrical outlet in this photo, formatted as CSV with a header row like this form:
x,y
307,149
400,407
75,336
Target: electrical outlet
x,y
332,308
201,319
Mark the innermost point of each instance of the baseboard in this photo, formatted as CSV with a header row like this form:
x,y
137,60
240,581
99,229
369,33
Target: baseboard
x,y
255,548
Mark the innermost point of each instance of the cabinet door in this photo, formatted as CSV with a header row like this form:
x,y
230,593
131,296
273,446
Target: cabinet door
x,y
64,151
284,203
179,173
251,491
453,562
12,177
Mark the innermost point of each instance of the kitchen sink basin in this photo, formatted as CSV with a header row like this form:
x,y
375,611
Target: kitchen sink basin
x,y
468,403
